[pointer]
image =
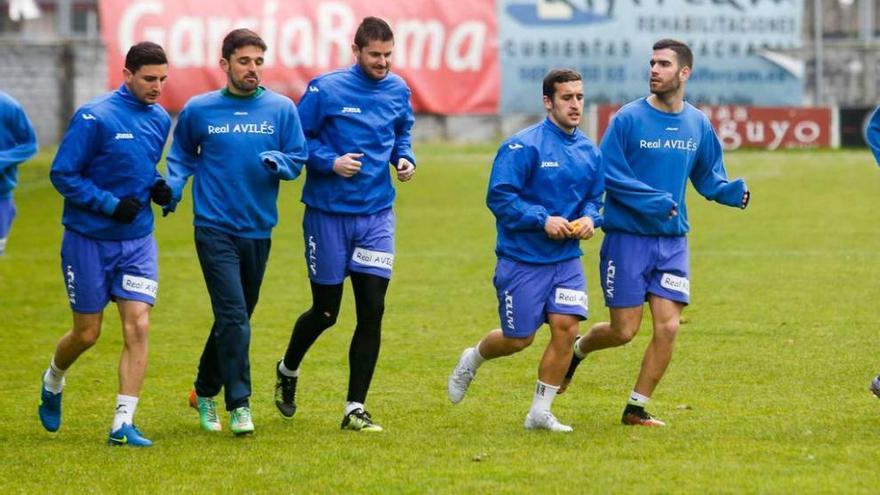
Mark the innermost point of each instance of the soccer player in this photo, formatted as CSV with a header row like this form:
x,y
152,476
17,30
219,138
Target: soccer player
x,y
651,148
106,170
545,191
357,120
238,142
18,142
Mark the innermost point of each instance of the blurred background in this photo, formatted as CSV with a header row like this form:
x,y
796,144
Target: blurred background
x,y
771,74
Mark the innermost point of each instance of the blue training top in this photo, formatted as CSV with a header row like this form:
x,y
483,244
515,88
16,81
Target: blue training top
x,y
110,152
18,142
239,148
649,155
872,134
347,111
539,172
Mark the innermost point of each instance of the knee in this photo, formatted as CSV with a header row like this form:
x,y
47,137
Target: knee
x,y
87,335
518,344
624,334
136,331
666,330
325,318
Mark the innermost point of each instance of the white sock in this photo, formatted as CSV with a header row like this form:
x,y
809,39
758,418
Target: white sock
x,y
351,406
474,358
544,395
286,372
125,407
637,399
578,353
53,378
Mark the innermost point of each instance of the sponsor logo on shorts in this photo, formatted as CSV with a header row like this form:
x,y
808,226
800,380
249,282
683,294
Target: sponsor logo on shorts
x,y
313,255
351,109
376,259
71,285
675,283
124,135
140,285
571,297
508,310
609,279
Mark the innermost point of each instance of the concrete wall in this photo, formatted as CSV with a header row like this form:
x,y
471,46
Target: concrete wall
x,y
51,80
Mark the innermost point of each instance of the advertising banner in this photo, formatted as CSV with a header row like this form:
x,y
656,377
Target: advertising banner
x,y
446,51
741,48
768,128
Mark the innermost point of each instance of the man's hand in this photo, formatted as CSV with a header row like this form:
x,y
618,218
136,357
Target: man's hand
x,y
557,228
347,165
127,210
405,170
582,229
160,193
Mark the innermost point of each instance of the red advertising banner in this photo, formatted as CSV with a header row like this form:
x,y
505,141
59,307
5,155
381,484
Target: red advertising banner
x,y
769,128
446,51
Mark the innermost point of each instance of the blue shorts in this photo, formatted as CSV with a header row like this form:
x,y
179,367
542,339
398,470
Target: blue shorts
x,y
7,215
527,293
336,245
96,271
632,266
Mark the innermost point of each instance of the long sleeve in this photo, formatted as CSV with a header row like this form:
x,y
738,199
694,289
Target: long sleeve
x,y
509,175
183,158
321,156
621,182
873,134
288,162
74,154
593,200
24,136
403,132
709,176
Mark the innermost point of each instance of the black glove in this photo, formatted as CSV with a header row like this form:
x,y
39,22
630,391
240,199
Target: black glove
x,y
160,193
127,209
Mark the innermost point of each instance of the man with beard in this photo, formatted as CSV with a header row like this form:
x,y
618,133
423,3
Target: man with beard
x,y
106,170
545,191
357,121
651,148
239,142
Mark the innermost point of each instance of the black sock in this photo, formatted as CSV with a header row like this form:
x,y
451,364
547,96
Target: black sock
x,y
369,296
311,324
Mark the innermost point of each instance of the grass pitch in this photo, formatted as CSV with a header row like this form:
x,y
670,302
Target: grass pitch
x,y
767,391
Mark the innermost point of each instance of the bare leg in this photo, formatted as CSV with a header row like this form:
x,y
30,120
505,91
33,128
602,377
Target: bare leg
x,y
666,314
85,332
554,363
495,344
135,317
621,329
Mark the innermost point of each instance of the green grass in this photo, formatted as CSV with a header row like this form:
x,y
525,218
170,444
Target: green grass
x,y
766,392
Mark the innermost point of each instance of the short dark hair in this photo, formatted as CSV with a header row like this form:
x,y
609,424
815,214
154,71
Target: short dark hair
x,y
559,76
144,53
241,37
372,29
682,51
